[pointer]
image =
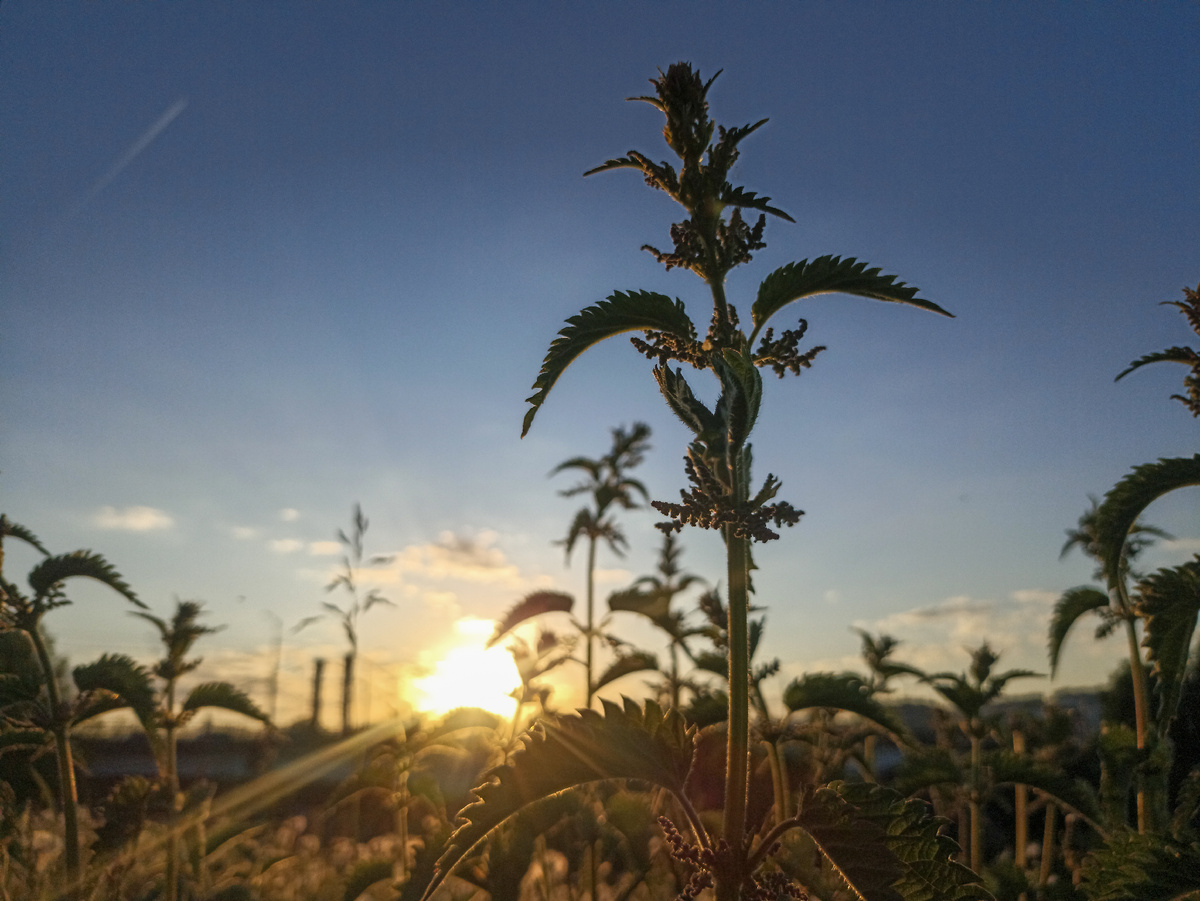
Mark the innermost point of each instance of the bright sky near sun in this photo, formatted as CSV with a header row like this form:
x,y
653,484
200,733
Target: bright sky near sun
x,y
261,261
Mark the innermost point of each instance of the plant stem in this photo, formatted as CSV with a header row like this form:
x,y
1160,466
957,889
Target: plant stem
x,y
171,877
68,794
737,773
591,605
973,802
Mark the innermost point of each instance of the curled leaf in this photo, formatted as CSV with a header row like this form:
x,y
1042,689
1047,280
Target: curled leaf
x,y
535,604
629,742
621,312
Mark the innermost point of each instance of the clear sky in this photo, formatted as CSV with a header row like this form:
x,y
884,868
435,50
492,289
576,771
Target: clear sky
x,y
261,261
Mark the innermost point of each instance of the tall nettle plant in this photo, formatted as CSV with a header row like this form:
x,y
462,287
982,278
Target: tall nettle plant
x,y
883,846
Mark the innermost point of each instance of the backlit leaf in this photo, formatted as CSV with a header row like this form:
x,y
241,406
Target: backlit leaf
x,y
46,578
1132,867
1071,793
126,679
1170,602
226,697
535,604
1073,604
887,848
16,530
621,312
630,742
1184,355
842,691
1126,501
652,603
634,662
740,197
830,274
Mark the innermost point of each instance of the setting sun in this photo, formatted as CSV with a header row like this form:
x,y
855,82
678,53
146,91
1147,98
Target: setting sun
x,y
469,675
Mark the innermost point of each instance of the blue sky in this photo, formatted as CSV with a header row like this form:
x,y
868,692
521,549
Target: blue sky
x,y
261,261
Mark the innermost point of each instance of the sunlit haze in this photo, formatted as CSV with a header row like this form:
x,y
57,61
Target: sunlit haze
x,y
469,675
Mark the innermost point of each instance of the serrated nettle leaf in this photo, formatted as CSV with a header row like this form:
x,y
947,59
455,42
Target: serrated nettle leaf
x,y
830,274
1127,500
654,604
47,577
23,739
8,528
1184,355
740,197
629,742
1169,602
841,691
1133,867
224,696
126,679
1075,795
1072,605
635,662
537,603
621,312
886,848
741,395
683,403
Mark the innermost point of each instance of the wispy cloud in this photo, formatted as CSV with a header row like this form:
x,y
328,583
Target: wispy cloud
x,y
937,637
243,533
471,559
132,519
285,545
289,514
324,548
1182,545
145,140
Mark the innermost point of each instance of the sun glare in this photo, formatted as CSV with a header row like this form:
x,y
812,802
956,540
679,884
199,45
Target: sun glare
x,y
469,675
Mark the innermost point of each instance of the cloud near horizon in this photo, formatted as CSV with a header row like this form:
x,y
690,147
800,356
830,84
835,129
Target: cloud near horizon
x,y
453,556
132,519
939,637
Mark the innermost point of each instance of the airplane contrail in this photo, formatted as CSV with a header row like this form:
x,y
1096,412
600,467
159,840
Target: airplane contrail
x,y
131,154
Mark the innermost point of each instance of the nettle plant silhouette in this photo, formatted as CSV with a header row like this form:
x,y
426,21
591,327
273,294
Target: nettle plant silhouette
x,y
1164,851
349,580
881,845
607,484
34,711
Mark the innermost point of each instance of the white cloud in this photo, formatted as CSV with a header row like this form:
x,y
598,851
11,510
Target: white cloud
x,y
289,514
1183,545
453,557
939,637
324,548
285,545
244,533
132,519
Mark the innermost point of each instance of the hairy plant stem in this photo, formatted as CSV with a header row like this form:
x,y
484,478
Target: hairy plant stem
x,y
737,774
61,729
